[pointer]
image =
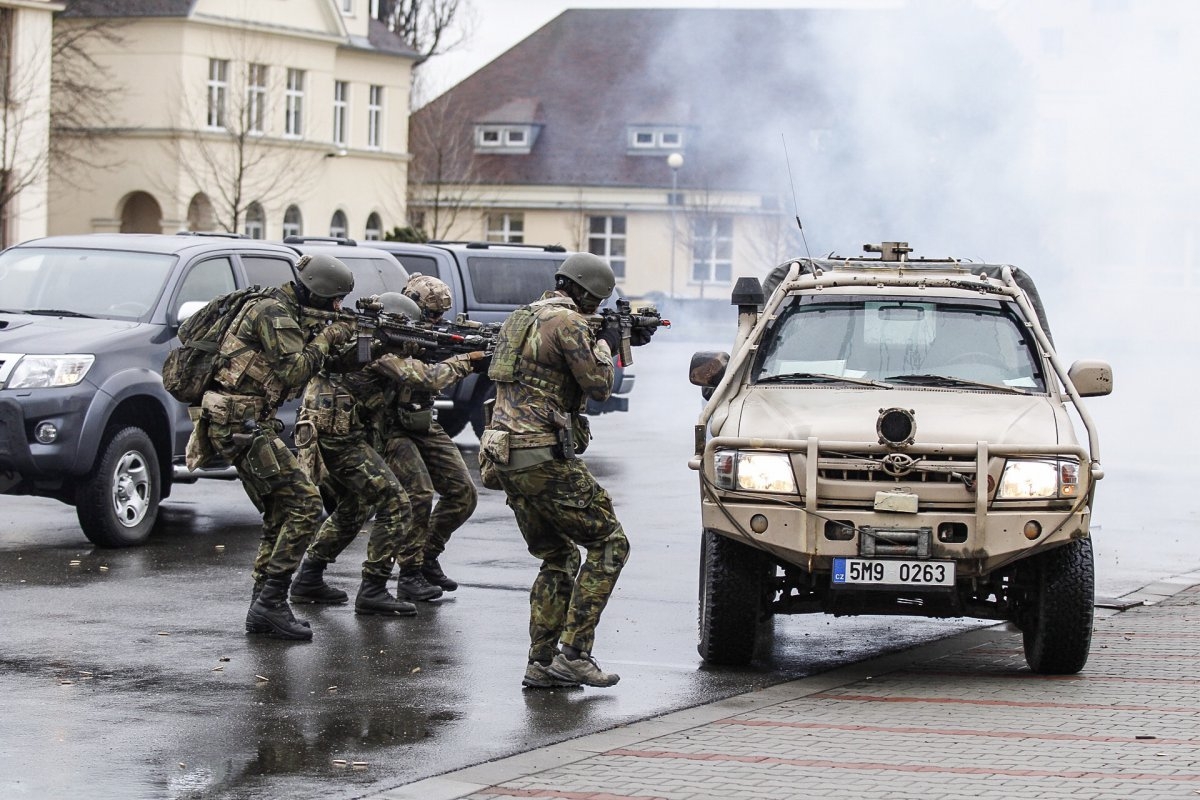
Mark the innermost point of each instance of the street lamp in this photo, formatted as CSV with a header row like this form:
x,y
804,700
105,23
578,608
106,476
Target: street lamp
x,y
674,161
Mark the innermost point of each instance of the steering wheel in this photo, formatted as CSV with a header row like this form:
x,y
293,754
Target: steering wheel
x,y
130,307
976,357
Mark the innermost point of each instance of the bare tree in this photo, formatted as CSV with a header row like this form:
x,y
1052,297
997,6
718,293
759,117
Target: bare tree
x,y
24,115
442,180
431,27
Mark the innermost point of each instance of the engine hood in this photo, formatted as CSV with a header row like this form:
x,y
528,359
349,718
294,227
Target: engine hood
x,y
24,333
942,417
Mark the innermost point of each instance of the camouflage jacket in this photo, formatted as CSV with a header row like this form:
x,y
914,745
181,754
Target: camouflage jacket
x,y
267,353
369,400
560,365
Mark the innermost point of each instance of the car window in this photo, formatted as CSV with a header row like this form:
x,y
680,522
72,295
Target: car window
x,y
422,264
205,280
267,270
510,280
373,276
115,284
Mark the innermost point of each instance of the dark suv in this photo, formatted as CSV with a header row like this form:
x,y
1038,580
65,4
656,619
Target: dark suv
x,y
85,324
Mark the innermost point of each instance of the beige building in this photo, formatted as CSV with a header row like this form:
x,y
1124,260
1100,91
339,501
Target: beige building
x,y
25,47
264,117
640,135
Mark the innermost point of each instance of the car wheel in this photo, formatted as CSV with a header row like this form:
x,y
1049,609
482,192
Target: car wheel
x,y
735,586
117,503
1058,623
452,420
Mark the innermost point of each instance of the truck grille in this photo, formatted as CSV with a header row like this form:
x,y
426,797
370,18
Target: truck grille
x,y
876,469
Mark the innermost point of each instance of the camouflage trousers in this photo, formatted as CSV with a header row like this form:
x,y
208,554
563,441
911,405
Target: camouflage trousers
x,y
560,508
359,479
289,501
428,462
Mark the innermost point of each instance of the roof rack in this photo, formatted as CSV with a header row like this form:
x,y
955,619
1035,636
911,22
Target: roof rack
x,y
470,245
215,234
341,241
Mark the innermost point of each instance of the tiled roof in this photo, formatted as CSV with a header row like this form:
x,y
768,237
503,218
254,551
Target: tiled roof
x,y
386,40
128,8
594,72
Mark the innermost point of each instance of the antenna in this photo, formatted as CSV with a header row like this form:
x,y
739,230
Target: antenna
x,y
795,203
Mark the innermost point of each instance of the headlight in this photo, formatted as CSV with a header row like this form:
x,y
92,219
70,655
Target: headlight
x,y
44,372
1038,480
756,472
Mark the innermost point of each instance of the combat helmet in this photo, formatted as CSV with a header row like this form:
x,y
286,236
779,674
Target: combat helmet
x,y
325,276
591,272
431,294
398,304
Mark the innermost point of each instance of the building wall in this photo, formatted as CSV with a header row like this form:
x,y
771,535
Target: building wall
x,y
164,148
27,121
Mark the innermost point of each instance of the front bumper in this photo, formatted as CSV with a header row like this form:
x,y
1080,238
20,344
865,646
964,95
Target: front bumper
x,y
21,411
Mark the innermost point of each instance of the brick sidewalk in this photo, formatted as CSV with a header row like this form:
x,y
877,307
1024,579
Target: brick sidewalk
x,y
960,718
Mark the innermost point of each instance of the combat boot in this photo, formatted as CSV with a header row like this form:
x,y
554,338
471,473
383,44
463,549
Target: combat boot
x,y
583,670
537,676
373,598
412,585
432,571
270,613
309,585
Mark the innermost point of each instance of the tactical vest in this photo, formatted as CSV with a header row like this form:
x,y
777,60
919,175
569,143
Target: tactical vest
x,y
242,360
511,365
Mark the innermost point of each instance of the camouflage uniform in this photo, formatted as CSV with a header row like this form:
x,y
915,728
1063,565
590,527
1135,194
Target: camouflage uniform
x,y
268,356
426,460
348,412
558,504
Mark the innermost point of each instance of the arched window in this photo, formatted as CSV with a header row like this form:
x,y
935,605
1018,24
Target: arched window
x,y
337,225
140,213
374,231
293,223
256,222
200,213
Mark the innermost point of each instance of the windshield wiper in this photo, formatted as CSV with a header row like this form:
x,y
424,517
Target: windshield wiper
x,y
56,312
946,380
821,377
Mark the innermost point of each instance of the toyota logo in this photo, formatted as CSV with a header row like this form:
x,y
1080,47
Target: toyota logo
x,y
898,464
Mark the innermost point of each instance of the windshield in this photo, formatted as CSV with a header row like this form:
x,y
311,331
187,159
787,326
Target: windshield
x,y
951,343
75,282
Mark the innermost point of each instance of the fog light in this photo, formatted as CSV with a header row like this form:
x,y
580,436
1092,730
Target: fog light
x,y
758,523
45,432
1033,529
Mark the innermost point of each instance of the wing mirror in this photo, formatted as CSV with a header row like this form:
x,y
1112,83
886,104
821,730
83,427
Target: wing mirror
x,y
1091,378
186,310
706,370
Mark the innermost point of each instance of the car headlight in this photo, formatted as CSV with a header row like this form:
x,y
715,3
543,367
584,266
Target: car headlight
x,y
756,472
1038,480
45,372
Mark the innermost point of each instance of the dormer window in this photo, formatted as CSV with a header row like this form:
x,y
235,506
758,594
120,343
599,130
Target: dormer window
x,y
654,139
514,139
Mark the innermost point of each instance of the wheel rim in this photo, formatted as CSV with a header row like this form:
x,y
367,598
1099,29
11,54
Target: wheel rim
x,y
131,489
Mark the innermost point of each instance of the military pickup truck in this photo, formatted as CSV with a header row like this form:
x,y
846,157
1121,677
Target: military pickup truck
x,y
896,436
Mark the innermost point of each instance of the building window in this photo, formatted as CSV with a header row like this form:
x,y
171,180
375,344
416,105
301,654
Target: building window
x,y
6,48
606,238
256,224
508,228
652,140
348,8
293,124
293,223
509,138
256,97
337,225
374,231
712,249
341,94
218,89
375,118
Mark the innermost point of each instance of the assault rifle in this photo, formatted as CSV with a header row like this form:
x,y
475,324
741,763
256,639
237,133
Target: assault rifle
x,y
379,332
646,317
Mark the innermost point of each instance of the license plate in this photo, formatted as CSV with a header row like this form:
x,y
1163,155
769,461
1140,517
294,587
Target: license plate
x,y
892,572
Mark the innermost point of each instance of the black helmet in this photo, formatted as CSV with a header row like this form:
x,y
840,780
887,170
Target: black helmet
x,y
325,276
591,272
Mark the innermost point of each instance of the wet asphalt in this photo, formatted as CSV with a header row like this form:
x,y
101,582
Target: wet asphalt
x,y
128,675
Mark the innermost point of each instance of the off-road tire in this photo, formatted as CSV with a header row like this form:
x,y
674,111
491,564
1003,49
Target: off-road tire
x,y
117,502
734,587
1058,624
453,421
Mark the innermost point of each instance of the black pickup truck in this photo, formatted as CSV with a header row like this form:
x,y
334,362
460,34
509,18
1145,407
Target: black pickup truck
x,y
488,281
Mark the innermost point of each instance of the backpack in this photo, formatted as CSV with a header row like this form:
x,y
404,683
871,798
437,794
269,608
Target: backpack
x,y
188,369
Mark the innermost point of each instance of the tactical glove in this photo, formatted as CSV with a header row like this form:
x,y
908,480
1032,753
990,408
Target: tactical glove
x,y
611,333
641,336
480,361
337,334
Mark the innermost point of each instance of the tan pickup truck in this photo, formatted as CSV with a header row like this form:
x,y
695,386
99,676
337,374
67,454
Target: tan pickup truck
x,y
894,435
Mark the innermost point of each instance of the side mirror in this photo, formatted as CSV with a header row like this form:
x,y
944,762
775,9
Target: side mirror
x,y
185,311
1091,378
707,369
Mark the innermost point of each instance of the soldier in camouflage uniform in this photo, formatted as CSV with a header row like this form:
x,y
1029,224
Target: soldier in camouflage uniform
x,y
547,363
266,356
337,433
426,460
